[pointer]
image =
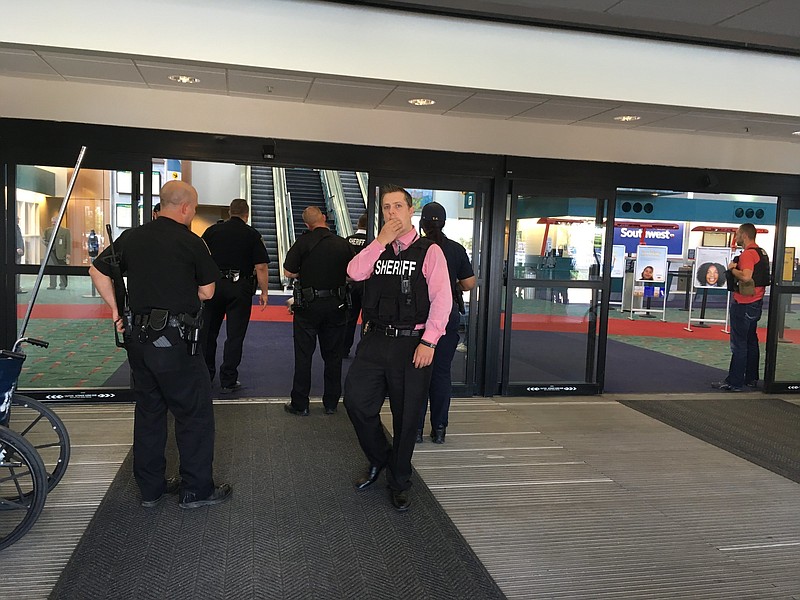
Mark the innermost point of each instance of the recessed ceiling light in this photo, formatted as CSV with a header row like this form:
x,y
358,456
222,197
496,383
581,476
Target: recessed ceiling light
x,y
184,79
627,118
422,102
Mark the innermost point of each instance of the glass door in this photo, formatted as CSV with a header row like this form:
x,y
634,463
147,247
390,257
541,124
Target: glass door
x,y
782,365
464,202
82,360
557,285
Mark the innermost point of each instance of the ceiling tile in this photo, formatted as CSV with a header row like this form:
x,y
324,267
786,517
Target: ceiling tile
x,y
646,116
445,99
79,67
780,17
691,122
156,75
328,91
566,110
707,12
25,62
496,106
276,87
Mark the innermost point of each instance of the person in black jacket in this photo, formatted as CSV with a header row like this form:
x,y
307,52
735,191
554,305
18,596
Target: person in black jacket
x,y
317,262
357,242
462,279
242,259
170,272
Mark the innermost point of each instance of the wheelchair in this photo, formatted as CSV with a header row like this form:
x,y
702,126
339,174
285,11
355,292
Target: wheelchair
x,y
34,450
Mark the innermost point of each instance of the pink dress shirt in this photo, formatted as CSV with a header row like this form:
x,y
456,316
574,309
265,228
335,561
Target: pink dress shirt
x,y
434,269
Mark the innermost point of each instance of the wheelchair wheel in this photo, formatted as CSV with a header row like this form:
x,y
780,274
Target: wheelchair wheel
x,y
23,486
45,431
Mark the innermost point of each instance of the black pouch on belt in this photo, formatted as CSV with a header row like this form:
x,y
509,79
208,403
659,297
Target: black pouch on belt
x,y
158,319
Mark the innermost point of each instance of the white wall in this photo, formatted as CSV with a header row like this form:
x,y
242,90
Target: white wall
x,y
216,183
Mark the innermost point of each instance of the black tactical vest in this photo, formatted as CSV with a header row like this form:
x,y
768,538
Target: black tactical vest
x,y
388,301
761,276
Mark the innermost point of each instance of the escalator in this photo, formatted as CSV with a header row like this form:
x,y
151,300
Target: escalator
x,y
305,189
354,199
262,217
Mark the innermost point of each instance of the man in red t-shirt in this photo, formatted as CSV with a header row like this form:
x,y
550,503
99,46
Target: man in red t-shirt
x,y
744,315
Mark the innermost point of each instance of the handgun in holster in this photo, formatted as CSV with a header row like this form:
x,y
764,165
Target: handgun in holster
x,y
190,330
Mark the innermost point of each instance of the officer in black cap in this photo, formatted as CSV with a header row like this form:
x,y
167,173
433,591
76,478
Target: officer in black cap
x,y
318,263
357,242
239,251
170,272
462,279
407,302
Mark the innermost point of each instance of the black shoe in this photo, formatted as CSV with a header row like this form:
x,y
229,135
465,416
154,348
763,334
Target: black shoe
x,y
220,494
437,435
22,291
230,389
752,384
371,477
725,386
295,411
330,411
419,436
400,499
173,486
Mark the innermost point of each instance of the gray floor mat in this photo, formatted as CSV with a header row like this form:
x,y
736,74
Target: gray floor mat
x,y
295,527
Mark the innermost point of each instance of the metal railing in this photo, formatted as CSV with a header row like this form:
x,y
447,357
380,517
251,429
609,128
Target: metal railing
x,y
284,223
336,202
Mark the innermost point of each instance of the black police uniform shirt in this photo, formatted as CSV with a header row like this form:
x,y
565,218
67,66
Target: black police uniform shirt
x,y
165,264
236,245
357,241
320,257
458,265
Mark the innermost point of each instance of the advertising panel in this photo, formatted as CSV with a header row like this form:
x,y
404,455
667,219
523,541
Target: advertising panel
x,y
709,267
651,263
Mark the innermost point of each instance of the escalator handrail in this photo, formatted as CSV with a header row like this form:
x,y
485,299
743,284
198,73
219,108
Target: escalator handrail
x,y
284,227
335,201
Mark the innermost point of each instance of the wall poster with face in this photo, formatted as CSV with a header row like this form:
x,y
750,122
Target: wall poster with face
x,y
651,263
709,267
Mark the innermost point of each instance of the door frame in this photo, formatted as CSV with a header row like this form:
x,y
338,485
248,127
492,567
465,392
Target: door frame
x,y
596,346
477,317
778,290
105,162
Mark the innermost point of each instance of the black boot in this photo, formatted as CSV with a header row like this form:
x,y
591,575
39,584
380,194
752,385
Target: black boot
x,y
419,436
437,435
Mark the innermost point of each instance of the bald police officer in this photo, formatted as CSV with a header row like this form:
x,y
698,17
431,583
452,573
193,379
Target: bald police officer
x,y
238,250
318,263
170,271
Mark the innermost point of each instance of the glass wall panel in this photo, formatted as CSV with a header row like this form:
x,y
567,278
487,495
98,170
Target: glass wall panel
x,y
77,324
787,362
557,238
550,340
40,191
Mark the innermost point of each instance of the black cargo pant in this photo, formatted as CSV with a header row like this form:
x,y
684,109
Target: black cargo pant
x,y
384,365
325,319
232,300
167,378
